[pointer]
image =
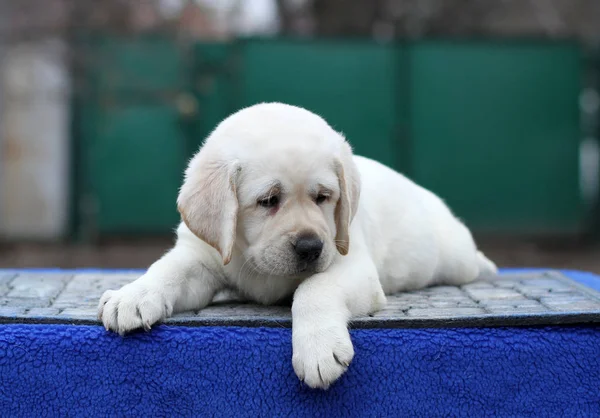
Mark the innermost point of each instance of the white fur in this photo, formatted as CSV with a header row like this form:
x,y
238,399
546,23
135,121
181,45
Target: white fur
x,y
399,236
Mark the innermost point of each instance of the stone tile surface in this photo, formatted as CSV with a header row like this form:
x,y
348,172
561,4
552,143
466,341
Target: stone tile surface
x,y
534,298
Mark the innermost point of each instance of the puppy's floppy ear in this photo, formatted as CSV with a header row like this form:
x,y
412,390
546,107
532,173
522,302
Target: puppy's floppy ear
x,y
208,202
349,181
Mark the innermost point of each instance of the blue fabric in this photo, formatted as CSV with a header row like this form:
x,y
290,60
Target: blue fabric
x,y
61,370
65,370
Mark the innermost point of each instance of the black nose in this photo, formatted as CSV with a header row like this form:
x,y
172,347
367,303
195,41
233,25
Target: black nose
x,y
308,248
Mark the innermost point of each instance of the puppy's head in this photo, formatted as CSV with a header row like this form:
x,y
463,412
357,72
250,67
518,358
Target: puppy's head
x,y
275,185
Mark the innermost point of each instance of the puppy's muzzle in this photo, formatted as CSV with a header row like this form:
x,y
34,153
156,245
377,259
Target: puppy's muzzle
x,y
308,248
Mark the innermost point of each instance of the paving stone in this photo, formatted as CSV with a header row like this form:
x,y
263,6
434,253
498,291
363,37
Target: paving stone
x,y
506,284
11,311
25,302
443,304
462,303
533,292
387,316
461,297
571,305
562,300
521,310
45,286
467,304
444,312
584,305
64,303
417,305
42,312
478,285
80,313
409,297
95,285
547,283
86,289
493,293
5,279
509,302
244,310
440,290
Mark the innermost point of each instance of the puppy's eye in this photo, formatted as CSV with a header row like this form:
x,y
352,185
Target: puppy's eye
x,y
321,198
269,202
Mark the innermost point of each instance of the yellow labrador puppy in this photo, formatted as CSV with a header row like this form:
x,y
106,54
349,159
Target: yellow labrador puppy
x,y
274,204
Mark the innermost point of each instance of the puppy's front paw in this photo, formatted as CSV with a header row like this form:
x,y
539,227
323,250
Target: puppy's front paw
x,y
131,307
321,354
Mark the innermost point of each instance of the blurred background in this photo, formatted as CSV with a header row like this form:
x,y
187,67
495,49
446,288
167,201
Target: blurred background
x,y
493,105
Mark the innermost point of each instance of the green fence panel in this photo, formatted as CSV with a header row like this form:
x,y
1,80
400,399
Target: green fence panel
x,y
214,77
134,143
130,67
495,132
355,86
138,160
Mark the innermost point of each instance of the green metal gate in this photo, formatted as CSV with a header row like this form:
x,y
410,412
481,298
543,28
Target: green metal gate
x,y
494,129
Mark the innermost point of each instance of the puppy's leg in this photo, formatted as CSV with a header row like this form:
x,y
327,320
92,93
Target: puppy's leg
x,y
177,282
461,262
323,305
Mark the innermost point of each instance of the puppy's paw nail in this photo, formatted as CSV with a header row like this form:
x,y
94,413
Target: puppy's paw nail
x,y
344,363
132,307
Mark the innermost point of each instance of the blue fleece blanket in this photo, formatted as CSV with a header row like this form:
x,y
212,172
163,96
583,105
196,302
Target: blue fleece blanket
x,y
62,370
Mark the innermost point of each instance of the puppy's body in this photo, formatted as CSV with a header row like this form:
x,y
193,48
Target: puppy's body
x,y
275,205
417,244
